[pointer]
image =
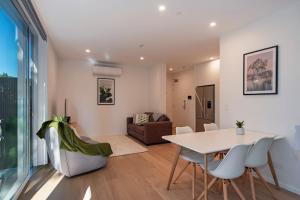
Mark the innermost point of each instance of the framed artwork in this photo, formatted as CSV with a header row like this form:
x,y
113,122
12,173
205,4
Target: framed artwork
x,y
260,74
106,91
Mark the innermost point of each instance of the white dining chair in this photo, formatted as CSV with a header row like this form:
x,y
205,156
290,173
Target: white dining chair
x,y
258,157
190,156
231,167
210,127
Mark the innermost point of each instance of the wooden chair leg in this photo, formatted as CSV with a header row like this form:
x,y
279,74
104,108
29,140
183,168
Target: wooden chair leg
x,y
181,172
244,177
271,166
173,167
249,171
194,180
237,190
225,193
220,188
201,170
264,182
208,187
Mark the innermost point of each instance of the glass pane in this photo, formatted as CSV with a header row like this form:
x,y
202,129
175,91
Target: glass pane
x,y
33,94
14,137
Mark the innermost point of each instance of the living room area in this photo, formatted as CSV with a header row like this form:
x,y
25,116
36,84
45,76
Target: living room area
x,y
149,99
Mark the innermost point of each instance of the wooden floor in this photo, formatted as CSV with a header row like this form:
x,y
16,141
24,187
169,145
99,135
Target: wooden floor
x,y
144,176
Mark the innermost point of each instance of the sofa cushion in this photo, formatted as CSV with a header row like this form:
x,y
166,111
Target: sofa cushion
x,y
163,118
150,116
156,116
141,118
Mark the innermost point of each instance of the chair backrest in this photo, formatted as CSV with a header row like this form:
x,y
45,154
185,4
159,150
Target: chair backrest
x,y
258,154
210,127
184,129
233,164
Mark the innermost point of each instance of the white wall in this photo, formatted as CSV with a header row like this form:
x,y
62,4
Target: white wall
x,y
181,90
135,92
278,114
200,74
169,97
157,88
52,80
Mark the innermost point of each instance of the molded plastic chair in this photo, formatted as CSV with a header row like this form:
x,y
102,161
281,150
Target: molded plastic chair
x,y
190,156
231,167
258,157
71,163
210,127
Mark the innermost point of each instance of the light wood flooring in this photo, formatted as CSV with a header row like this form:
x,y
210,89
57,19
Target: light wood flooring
x,y
144,176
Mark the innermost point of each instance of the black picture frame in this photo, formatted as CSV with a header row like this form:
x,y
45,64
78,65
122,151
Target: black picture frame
x,y
100,100
274,78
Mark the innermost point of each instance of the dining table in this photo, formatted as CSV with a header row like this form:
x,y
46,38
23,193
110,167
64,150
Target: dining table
x,y
211,142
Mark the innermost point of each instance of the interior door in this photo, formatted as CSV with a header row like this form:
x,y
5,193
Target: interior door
x,y
205,106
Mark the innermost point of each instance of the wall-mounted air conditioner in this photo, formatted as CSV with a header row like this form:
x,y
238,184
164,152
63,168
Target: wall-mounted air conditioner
x,y
107,71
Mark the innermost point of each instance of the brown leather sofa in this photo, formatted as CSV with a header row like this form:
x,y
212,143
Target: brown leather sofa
x,y
150,132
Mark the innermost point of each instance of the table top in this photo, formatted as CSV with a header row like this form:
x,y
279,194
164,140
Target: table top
x,y
215,141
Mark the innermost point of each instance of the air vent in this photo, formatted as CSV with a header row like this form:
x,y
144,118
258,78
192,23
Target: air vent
x,y
106,64
109,69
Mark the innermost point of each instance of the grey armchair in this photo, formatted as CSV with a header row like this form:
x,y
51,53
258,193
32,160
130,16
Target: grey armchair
x,y
71,163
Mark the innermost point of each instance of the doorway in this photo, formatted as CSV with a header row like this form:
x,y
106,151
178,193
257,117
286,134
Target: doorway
x,y
205,106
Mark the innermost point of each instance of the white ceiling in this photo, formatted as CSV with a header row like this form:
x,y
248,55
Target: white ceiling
x,y
114,29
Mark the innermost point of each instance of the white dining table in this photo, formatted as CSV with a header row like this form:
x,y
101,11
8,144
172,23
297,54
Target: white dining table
x,y
212,142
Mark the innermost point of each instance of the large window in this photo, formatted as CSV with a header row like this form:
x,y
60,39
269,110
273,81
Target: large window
x,y
18,84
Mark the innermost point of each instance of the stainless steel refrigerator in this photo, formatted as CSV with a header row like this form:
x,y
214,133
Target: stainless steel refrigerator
x,y
205,106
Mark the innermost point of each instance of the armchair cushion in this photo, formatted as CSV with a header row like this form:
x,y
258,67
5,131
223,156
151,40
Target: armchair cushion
x,y
71,163
70,141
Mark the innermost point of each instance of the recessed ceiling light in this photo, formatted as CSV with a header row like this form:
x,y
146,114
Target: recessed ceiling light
x,y
161,8
212,24
88,51
211,58
142,58
170,69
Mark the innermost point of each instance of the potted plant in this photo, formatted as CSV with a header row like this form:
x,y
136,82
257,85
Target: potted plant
x,y
240,127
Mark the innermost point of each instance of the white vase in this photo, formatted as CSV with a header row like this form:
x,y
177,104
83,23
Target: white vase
x,y
240,131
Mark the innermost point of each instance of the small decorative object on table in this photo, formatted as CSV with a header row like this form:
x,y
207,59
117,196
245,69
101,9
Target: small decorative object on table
x,y
240,128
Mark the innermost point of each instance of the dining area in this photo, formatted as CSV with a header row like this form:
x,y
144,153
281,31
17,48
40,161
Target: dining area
x,y
223,156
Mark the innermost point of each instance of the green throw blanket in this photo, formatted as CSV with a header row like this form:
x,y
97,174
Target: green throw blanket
x,y
69,140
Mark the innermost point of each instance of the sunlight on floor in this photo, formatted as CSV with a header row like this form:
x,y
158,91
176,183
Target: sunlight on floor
x,y
88,194
48,187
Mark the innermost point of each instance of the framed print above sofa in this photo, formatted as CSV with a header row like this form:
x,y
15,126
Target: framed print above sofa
x,y
106,91
260,73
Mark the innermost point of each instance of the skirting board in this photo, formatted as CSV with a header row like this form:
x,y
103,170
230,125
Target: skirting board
x,y
281,184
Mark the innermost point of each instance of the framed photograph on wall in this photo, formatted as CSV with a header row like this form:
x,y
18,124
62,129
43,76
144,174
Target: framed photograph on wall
x,y
260,74
106,91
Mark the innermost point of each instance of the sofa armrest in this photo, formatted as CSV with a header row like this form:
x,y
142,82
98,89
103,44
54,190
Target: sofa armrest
x,y
155,130
129,120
